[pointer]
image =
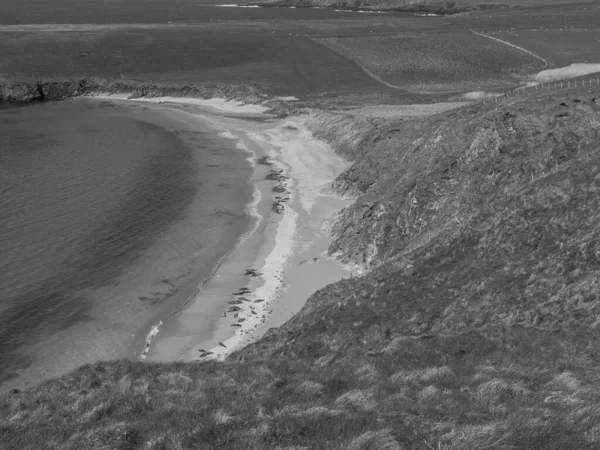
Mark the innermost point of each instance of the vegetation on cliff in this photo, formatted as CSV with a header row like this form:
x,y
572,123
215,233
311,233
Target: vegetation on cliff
x,y
413,6
46,90
476,327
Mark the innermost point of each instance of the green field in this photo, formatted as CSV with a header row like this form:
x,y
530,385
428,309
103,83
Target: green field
x,y
436,61
559,45
304,52
188,54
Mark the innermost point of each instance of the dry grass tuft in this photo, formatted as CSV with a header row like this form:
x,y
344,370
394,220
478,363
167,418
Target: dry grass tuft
x,y
586,416
429,393
174,378
260,430
437,374
294,447
565,380
309,388
222,417
318,412
404,376
593,435
375,440
497,390
367,372
474,437
261,373
397,344
356,399
124,384
429,375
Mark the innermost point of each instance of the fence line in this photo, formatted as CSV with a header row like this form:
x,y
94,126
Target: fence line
x,y
551,85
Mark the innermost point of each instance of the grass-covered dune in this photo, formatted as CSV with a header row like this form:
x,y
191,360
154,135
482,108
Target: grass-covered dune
x,y
476,327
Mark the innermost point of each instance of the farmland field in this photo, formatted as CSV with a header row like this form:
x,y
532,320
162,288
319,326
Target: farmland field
x,y
312,52
438,62
560,46
277,60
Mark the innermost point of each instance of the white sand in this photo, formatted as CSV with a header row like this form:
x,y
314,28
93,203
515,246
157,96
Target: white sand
x,y
109,96
296,265
564,73
288,249
480,95
218,105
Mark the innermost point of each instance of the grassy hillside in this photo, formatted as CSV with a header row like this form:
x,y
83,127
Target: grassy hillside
x,y
438,61
417,6
477,326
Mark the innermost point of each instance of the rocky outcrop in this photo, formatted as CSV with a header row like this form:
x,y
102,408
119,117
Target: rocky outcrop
x,y
427,178
47,90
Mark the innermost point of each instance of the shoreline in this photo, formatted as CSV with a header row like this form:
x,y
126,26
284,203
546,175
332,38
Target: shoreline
x,y
147,334
291,214
293,261
277,246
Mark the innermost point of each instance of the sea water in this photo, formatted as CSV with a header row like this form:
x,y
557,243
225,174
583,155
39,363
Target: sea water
x,y
110,217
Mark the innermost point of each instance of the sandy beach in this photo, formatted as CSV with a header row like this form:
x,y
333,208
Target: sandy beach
x,y
281,259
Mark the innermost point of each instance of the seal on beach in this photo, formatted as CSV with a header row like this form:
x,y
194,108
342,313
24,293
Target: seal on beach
x,y
242,291
235,325
234,309
222,345
252,272
259,300
234,302
241,320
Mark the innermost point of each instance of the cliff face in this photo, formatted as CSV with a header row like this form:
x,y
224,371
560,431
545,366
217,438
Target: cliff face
x,y
482,217
26,92
412,6
429,178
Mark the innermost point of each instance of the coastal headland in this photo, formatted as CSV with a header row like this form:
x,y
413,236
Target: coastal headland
x,y
422,262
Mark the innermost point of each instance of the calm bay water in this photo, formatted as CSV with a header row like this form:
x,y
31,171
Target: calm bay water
x,y
110,216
